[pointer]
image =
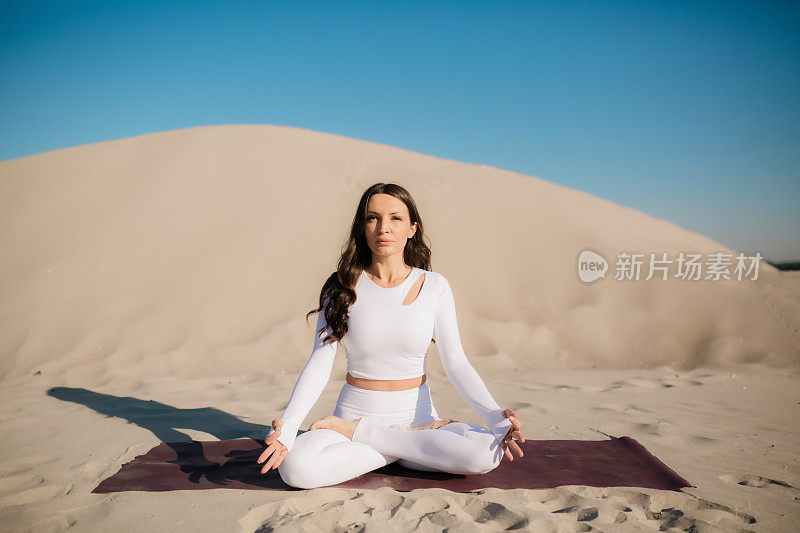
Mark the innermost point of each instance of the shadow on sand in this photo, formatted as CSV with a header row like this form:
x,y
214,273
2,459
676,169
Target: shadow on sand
x,y
238,465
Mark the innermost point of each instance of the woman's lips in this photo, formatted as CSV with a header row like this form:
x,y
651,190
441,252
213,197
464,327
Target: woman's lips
x,y
384,242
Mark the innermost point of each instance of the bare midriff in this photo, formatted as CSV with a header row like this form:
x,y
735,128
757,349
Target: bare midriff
x,y
386,384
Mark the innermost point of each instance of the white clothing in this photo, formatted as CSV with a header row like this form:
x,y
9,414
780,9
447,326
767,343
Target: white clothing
x,y
388,340
323,457
402,409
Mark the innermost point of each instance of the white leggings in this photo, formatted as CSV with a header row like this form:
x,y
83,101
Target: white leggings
x,y
323,457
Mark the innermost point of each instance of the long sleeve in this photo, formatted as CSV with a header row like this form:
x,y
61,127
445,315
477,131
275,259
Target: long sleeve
x,y
310,384
458,368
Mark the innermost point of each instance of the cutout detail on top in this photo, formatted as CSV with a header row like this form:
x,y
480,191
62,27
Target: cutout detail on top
x,y
413,293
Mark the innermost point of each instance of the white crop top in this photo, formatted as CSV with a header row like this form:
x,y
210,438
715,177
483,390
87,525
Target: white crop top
x,y
387,340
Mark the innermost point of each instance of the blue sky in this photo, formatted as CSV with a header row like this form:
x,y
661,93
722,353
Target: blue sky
x,y
688,111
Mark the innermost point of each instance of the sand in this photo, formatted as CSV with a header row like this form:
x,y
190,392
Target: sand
x,y
177,268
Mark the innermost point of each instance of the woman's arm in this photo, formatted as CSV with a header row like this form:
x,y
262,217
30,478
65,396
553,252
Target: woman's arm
x,y
456,366
309,386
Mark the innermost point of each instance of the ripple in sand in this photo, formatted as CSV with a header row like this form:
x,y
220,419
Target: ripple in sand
x,y
37,494
569,508
25,481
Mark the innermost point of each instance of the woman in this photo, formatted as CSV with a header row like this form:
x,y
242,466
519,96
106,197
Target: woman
x,y
384,304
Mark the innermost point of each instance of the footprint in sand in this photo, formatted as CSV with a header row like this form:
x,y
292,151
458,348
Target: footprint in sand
x,y
752,480
650,509
55,523
562,388
650,383
628,409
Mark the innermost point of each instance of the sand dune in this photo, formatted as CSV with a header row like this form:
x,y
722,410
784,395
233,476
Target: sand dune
x,y
177,267
197,251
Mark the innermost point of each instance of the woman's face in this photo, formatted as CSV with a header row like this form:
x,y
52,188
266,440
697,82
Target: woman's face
x,y
387,226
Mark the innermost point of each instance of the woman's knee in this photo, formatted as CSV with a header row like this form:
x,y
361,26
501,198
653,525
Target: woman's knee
x,y
485,460
486,454
492,457
300,468
294,469
294,474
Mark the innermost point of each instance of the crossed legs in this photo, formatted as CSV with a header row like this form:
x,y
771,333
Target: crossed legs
x,y
322,457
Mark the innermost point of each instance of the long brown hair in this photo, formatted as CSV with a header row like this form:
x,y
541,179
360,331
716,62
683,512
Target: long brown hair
x,y
338,291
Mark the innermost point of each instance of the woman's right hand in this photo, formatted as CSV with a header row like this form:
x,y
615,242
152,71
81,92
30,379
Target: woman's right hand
x,y
277,450
513,431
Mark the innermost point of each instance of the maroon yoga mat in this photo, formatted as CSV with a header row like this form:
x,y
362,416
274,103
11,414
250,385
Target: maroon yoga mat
x,y
231,464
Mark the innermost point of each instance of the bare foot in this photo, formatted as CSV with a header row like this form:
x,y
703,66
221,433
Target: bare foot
x,y
340,425
436,424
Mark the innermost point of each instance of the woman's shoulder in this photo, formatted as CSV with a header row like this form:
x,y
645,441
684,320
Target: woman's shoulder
x,y
439,281
432,274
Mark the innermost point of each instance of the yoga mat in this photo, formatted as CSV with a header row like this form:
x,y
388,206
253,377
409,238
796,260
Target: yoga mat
x,y
231,464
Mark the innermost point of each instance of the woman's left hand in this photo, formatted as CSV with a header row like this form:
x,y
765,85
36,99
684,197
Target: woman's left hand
x,y
512,435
